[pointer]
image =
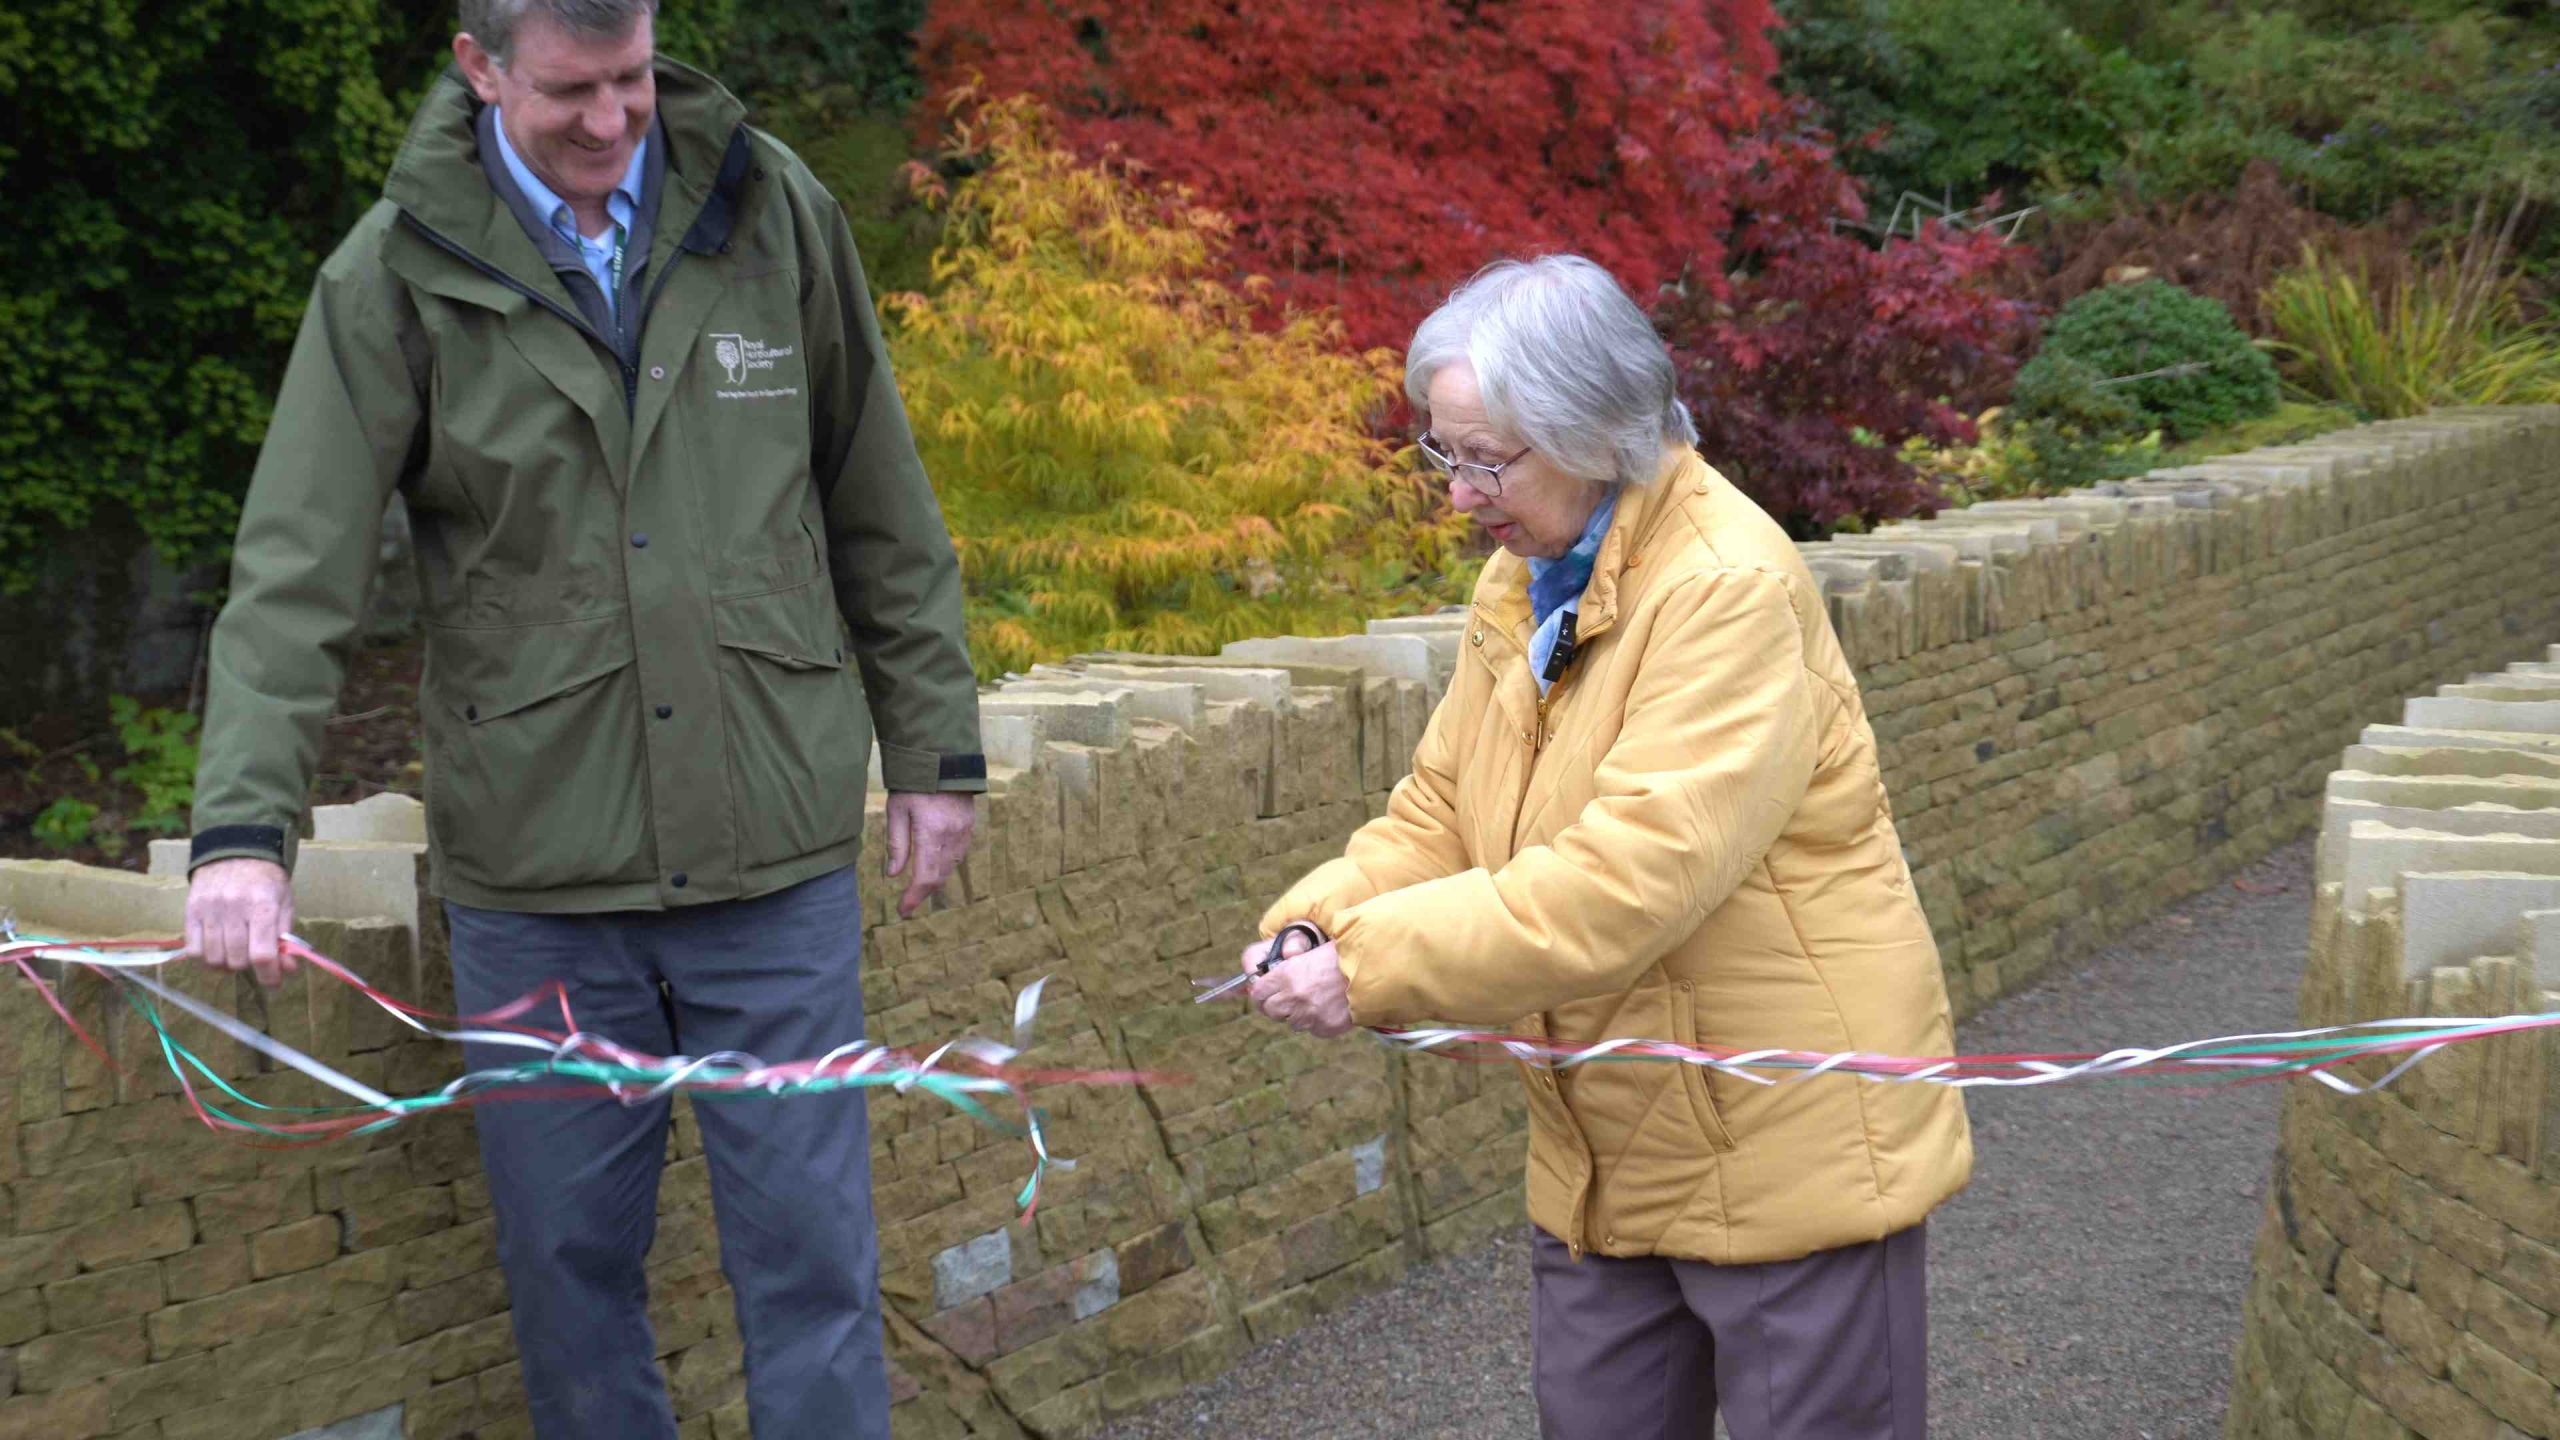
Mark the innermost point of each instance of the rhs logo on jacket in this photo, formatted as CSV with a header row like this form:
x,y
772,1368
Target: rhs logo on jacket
x,y
742,360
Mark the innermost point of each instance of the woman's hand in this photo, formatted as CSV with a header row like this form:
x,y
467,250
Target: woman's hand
x,y
1307,992
1293,943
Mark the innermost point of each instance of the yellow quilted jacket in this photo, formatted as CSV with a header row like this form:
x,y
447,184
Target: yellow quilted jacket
x,y
1689,840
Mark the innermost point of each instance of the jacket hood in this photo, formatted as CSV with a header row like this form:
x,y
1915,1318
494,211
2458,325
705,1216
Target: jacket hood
x,y
437,179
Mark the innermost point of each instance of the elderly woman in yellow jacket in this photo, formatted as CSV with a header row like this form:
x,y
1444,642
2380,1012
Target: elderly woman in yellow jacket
x,y
1650,806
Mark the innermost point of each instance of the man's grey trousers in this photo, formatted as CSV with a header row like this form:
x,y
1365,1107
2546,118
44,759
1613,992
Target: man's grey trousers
x,y
574,1183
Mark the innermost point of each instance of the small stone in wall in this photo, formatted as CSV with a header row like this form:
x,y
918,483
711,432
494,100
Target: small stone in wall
x,y
379,1425
1369,1166
1101,1288
972,1268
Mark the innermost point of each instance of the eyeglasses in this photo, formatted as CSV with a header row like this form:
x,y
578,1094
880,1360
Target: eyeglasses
x,y
1486,478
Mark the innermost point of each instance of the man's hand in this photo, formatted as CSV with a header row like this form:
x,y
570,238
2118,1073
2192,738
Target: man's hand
x,y
1307,992
932,831
237,910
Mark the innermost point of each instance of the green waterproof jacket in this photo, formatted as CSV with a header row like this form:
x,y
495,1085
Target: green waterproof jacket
x,y
648,540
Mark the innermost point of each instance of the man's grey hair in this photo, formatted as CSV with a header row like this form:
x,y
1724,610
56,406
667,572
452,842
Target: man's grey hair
x,y
1565,360
494,23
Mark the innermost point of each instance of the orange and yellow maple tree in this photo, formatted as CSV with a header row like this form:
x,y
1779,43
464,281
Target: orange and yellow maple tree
x,y
1126,459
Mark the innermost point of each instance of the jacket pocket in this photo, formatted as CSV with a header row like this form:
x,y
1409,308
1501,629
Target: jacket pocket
x,y
799,739
535,777
1693,1078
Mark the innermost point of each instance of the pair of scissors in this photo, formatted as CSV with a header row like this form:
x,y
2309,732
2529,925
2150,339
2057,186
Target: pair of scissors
x,y
1270,958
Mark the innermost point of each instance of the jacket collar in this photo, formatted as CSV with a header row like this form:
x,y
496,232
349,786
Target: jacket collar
x,y
649,167
439,182
1502,595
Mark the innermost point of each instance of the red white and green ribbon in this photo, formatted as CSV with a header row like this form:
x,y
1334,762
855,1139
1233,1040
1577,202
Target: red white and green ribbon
x,y
2267,1055
968,1071
563,1062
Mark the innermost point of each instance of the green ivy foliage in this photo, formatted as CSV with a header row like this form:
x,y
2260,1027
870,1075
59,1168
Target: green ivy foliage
x,y
2363,105
857,51
2435,106
1973,95
2177,356
175,172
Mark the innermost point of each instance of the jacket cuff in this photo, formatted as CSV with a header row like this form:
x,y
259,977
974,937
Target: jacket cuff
x,y
913,771
238,842
1319,896
1346,953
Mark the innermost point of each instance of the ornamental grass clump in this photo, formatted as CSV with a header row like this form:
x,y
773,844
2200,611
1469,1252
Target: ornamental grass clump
x,y
2454,332
1124,459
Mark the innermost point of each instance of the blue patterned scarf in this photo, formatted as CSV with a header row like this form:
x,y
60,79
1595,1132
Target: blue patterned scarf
x,y
1557,585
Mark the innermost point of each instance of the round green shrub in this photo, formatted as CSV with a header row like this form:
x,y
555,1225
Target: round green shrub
x,y
2199,370
2062,390
2072,425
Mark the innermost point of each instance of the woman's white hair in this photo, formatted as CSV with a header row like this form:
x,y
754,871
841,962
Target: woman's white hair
x,y
1565,360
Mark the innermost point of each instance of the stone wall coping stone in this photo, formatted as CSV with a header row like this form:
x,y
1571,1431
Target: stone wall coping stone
x,y
2442,737
2456,917
1171,701
2483,821
2529,717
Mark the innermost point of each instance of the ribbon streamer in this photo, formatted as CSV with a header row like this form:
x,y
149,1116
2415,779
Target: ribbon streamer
x,y
2243,1058
963,1072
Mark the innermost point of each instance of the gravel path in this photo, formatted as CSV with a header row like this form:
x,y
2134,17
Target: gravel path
x,y
2086,1285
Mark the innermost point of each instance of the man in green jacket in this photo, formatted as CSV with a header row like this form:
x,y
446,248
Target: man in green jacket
x,y
615,349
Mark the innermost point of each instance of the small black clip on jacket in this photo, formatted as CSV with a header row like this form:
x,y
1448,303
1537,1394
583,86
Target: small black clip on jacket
x,y
1562,655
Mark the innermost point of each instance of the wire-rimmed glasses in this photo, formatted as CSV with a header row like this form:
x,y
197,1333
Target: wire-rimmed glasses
x,y
1487,479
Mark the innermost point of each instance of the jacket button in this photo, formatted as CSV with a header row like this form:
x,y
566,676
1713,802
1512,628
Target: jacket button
x,y
677,879
657,372
1477,638
724,246
470,712
640,541
666,710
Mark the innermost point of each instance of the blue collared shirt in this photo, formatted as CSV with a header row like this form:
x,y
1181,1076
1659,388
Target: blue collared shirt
x,y
620,207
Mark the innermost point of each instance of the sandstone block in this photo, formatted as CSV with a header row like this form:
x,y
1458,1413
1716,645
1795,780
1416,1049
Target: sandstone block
x,y
253,1309
1096,717
1404,657
289,1249
972,1268
103,1296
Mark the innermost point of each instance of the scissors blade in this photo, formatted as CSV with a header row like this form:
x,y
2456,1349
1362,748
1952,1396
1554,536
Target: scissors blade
x,y
1221,988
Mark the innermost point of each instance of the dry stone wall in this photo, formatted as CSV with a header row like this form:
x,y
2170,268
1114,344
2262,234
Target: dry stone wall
x,y
2085,706
2409,1265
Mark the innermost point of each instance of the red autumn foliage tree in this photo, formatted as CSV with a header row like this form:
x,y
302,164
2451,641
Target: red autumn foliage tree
x,y
1819,355
1373,155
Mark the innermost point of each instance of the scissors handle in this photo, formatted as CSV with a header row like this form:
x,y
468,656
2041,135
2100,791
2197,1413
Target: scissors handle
x,y
1270,958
